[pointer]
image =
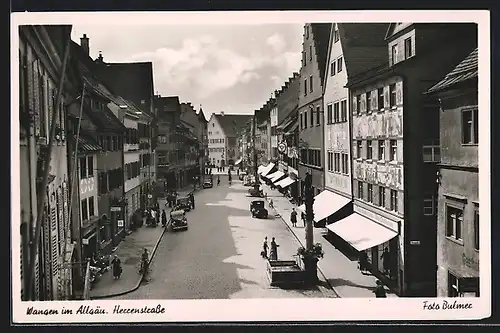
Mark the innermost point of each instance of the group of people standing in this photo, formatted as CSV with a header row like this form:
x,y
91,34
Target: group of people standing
x,y
293,218
273,253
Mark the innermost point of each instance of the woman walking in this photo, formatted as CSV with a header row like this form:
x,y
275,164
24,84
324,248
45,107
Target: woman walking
x,y
117,267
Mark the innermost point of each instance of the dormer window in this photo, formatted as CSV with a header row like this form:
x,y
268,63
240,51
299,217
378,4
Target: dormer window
x,y
394,51
408,48
336,36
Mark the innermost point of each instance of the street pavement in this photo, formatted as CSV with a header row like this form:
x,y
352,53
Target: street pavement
x,y
129,251
218,257
342,274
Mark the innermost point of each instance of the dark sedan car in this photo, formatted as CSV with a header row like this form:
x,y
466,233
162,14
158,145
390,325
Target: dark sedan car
x,y
258,210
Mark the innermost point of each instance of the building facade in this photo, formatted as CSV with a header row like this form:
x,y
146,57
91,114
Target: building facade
x,y
314,54
216,142
384,142
131,167
273,121
458,181
41,52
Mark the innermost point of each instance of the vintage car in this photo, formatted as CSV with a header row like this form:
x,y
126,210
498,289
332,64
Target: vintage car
x,y
184,203
178,220
258,210
208,182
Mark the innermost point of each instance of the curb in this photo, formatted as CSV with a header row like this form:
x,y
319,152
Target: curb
x,y
300,242
138,284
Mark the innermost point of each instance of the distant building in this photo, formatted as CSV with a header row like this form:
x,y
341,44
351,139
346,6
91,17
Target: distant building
x,y
458,181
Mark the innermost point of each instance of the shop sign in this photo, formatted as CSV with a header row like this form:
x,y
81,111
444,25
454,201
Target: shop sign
x,y
120,223
115,209
415,242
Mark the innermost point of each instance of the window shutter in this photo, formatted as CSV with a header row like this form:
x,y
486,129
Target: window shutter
x,y
60,215
399,93
374,99
35,99
65,206
46,260
363,103
355,104
386,97
54,241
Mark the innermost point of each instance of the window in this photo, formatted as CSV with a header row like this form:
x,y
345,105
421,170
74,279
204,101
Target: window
x,y
332,68
408,48
213,124
369,149
310,53
380,98
394,150
431,152
311,83
429,207
330,161
305,119
339,65
336,35
394,52
452,285
91,207
83,167
371,102
337,162
359,146
345,164
301,121
470,129
318,112
476,229
392,99
312,117
85,215
90,166
343,110
381,196
454,222
370,193
381,150
360,190
358,99
329,114
305,87
394,200
336,115
303,58
307,32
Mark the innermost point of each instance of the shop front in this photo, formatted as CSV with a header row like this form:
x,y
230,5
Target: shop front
x,y
325,205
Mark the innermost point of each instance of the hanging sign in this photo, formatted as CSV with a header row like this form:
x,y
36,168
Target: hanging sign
x,y
120,223
282,147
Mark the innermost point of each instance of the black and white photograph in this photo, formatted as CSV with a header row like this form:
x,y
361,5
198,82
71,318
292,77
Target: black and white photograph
x,y
178,167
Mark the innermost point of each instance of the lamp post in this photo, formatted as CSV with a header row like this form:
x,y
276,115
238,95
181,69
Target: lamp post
x,y
310,262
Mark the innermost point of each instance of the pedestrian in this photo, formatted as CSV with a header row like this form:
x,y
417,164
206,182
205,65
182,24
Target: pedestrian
x,y
144,261
163,218
303,217
293,217
265,247
379,290
386,260
271,203
274,250
363,262
218,180
191,197
117,267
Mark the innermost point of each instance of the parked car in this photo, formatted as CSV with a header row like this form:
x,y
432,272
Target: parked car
x,y
184,203
178,220
208,184
258,210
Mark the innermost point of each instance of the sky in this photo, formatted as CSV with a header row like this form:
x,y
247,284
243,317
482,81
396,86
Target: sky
x,y
230,68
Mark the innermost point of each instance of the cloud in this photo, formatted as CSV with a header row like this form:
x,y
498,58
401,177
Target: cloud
x,y
277,42
203,66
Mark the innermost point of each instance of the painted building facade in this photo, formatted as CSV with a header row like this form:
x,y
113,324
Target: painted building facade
x,y
384,141
131,167
216,142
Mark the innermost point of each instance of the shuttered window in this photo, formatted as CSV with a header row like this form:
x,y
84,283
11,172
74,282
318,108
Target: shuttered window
x,y
54,241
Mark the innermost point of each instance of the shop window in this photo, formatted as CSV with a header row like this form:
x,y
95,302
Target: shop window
x,y
453,290
454,222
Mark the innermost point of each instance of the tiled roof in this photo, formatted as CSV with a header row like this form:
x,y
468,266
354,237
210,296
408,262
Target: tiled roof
x,y
321,35
86,144
232,124
133,81
465,70
168,104
363,45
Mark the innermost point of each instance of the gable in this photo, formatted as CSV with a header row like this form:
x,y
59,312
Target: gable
x,y
395,28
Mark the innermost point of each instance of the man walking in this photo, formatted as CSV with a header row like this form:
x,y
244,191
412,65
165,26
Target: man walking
x,y
293,217
274,250
191,197
265,247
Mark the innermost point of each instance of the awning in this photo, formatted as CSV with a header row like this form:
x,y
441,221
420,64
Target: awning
x,y
285,182
325,204
261,169
272,175
238,161
361,232
277,175
267,169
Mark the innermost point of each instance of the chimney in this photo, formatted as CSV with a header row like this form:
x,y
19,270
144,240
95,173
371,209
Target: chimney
x,y
84,43
222,113
100,59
